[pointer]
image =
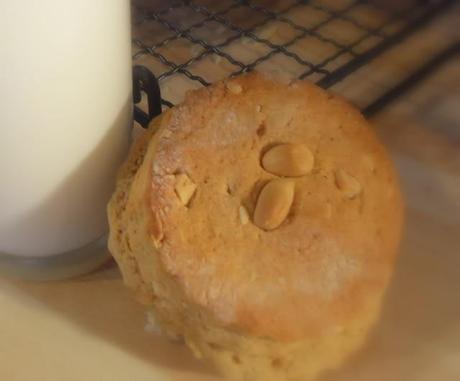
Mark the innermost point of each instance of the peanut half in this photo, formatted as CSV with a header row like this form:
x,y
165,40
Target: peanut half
x,y
244,215
349,186
234,87
185,188
273,204
290,160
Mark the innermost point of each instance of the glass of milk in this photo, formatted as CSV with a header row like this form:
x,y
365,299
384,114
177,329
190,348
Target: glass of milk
x,y
65,123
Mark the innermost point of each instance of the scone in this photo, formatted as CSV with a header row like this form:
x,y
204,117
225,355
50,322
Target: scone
x,y
259,221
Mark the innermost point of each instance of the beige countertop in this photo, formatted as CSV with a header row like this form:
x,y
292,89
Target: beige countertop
x,y
91,329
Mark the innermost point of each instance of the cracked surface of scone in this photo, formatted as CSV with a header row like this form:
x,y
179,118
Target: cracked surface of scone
x,y
279,304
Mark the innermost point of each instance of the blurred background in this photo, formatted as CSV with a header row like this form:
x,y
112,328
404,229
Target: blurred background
x,y
191,44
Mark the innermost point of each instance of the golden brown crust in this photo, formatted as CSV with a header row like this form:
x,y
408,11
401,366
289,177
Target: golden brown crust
x,y
327,263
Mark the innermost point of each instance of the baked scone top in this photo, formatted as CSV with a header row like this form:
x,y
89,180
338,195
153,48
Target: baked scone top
x,y
329,259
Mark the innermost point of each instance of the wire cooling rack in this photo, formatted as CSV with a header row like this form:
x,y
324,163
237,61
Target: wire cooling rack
x,y
188,44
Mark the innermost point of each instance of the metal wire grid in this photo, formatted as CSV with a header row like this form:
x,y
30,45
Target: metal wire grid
x,y
195,40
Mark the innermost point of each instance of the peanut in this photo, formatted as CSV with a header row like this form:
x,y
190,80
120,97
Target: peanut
x,y
185,188
273,204
348,184
244,215
234,87
290,160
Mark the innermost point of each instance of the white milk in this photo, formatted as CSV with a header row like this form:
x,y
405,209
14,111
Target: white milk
x,y
65,119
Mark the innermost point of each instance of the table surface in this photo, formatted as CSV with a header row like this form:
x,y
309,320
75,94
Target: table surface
x,y
90,328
